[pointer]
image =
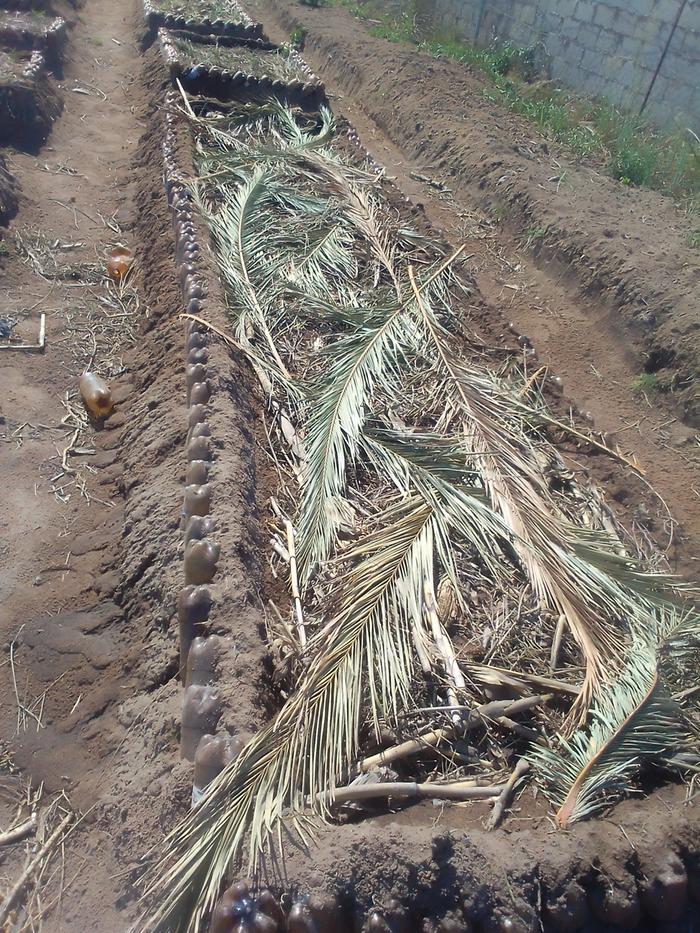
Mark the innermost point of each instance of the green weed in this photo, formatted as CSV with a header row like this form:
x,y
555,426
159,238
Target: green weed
x,y
646,382
634,152
533,236
298,37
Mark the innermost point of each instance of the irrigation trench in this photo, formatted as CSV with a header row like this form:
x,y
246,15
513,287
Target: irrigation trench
x,y
132,565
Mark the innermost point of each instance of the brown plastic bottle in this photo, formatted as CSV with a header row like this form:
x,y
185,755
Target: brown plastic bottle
x,y
198,527
236,911
193,607
200,393
213,753
196,415
201,710
200,561
119,262
96,394
197,473
202,660
197,500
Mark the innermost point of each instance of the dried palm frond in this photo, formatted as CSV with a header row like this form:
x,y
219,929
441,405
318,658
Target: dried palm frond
x,y
635,722
505,458
239,232
317,269
364,654
372,356
339,405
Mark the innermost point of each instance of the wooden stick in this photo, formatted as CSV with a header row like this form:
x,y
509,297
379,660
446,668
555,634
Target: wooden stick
x,y
30,868
20,832
532,380
493,711
456,791
506,796
556,643
444,647
294,579
485,673
411,747
615,454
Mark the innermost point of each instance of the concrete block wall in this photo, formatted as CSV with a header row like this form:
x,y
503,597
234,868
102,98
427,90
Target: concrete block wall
x,y
607,48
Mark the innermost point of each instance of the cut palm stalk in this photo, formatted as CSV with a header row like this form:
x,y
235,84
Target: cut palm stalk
x,y
406,749
518,680
460,790
294,579
493,711
17,833
279,549
506,796
455,680
556,643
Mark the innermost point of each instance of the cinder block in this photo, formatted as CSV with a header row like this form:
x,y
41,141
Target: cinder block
x,y
605,16
630,46
690,17
664,10
565,8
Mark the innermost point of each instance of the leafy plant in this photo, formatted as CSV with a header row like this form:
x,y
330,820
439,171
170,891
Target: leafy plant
x,y
635,153
646,382
635,720
297,37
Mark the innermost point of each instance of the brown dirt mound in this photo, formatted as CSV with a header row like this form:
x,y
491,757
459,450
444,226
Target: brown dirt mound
x,y
626,249
29,103
8,193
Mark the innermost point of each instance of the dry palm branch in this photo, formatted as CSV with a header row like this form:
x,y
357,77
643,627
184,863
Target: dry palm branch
x,y
446,459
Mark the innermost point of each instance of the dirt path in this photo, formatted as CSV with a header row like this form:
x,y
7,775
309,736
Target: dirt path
x,y
76,186
582,317
56,555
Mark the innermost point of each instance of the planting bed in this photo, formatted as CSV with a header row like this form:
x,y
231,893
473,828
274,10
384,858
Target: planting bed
x,y
8,193
411,870
221,65
201,696
208,17
22,30
28,103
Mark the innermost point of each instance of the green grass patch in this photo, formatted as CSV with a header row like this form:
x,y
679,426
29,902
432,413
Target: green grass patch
x,y
633,151
297,37
647,382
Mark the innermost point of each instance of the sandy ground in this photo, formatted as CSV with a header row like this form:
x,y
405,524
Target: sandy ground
x,y
89,568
